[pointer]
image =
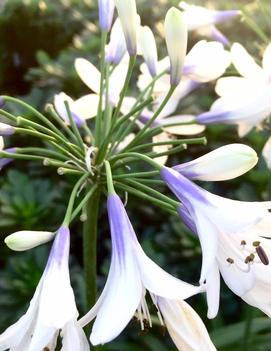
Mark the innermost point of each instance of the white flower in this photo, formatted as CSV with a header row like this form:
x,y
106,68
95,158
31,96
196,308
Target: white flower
x,y
26,239
226,162
176,40
203,20
51,309
131,273
233,236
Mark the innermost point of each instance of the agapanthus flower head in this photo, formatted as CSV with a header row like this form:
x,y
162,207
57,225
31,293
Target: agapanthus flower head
x,y
176,40
52,308
106,12
233,236
131,274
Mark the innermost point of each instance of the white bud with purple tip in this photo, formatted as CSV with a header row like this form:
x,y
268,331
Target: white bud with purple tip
x,y
6,129
26,239
106,12
116,47
148,48
176,40
128,18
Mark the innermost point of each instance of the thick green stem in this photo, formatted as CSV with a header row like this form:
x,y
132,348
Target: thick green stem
x,y
90,248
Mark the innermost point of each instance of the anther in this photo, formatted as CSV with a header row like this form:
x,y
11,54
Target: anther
x,y
243,243
262,255
249,258
230,260
256,243
46,349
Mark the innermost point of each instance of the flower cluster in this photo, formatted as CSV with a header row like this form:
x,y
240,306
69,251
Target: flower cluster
x,y
234,235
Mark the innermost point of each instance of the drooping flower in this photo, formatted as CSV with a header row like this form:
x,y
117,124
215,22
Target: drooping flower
x,y
175,28
203,20
131,274
244,101
226,162
233,236
52,308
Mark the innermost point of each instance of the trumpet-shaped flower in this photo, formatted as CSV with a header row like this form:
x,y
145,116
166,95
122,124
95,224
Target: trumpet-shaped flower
x,y
25,240
233,236
51,309
106,12
244,101
226,162
131,274
128,17
175,28
203,20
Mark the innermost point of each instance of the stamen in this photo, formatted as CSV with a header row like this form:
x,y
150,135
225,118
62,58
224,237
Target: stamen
x,y
256,243
243,243
262,255
249,258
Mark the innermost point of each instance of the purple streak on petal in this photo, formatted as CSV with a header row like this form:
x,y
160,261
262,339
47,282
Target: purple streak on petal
x,y
120,227
188,221
106,12
61,248
183,188
6,161
187,69
213,117
223,16
218,36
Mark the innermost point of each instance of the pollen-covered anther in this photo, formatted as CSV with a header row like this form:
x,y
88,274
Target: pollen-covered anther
x,y
243,243
262,255
256,243
249,258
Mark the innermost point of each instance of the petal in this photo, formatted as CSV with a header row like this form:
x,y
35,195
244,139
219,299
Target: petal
x,y
87,106
226,162
116,48
1,143
149,50
117,79
74,338
89,74
185,129
161,148
213,290
245,64
237,85
185,326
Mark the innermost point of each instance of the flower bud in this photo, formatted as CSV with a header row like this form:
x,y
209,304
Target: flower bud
x,y
128,18
6,161
106,12
149,49
226,162
176,40
25,240
116,47
6,129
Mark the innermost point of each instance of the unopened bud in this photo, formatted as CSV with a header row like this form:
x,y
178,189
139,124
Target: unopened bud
x,y
25,240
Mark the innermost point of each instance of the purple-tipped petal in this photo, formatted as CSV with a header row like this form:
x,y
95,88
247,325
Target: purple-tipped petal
x,y
6,161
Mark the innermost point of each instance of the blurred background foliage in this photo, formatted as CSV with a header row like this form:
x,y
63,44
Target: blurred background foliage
x,y
39,40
